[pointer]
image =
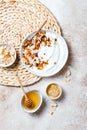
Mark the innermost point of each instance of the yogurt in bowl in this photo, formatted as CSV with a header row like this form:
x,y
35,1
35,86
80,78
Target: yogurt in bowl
x,y
45,54
7,55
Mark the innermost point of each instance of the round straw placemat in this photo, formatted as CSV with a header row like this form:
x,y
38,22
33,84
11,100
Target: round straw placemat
x,y
19,18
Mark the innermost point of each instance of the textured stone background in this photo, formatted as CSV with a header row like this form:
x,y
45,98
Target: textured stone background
x,y
71,113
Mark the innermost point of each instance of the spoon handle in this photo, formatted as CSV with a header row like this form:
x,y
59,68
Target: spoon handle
x,y
41,27
38,29
21,85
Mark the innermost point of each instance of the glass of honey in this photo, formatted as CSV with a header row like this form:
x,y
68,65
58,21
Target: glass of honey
x,y
36,98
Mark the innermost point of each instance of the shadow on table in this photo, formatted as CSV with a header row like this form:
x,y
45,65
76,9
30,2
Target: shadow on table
x,y
42,108
63,96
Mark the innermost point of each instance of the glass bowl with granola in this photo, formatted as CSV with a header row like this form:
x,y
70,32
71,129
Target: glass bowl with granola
x,y
7,55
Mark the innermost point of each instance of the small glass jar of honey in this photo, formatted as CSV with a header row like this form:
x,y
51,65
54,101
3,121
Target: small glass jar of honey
x,y
36,98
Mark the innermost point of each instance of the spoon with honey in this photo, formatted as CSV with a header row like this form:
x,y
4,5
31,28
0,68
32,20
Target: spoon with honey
x,y
28,101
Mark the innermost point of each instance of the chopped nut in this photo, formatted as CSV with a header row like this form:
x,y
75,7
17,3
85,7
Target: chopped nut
x,y
68,73
45,62
67,79
54,109
53,104
40,66
51,112
27,43
55,62
43,32
26,60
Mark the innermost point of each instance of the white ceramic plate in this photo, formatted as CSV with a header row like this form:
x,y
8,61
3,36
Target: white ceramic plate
x,y
59,54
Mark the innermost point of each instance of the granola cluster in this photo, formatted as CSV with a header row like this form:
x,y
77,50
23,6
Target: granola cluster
x,y
31,50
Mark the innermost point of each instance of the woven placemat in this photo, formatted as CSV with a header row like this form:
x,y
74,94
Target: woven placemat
x,y
19,18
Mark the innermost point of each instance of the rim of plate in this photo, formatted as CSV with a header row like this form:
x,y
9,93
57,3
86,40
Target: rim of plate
x,y
63,57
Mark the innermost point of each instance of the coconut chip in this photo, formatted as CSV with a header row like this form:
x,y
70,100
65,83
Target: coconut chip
x,y
53,104
67,75
53,108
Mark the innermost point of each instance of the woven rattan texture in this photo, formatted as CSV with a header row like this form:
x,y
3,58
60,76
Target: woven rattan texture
x,y
17,19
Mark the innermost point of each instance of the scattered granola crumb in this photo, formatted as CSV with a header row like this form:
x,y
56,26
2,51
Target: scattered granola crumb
x,y
55,62
55,39
68,73
51,112
53,104
53,108
67,79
